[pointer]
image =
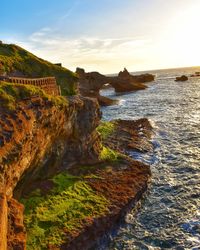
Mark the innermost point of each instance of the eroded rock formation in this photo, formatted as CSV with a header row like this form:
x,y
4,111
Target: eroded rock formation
x,y
123,183
91,83
39,139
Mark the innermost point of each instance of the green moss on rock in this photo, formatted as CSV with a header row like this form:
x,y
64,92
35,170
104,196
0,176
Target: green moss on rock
x,y
109,155
61,212
106,129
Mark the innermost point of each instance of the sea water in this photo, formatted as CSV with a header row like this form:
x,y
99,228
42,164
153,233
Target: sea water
x,y
169,216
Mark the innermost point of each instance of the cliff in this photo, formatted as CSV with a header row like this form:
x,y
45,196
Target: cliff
x,y
18,62
39,132
60,163
41,135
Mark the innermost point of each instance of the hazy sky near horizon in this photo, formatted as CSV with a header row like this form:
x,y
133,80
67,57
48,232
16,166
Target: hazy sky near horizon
x,y
106,35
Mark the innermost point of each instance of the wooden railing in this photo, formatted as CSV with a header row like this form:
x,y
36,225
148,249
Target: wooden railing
x,y
48,84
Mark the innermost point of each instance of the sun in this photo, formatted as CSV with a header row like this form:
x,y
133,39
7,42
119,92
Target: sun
x,y
184,35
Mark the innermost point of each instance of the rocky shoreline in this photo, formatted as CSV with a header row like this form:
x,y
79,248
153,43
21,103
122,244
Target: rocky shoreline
x,y
66,177
126,187
124,183
75,151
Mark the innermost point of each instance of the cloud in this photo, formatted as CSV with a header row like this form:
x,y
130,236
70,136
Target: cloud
x,y
107,37
92,53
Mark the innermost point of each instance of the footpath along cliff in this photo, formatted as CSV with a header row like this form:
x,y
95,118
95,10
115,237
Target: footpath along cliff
x,y
65,179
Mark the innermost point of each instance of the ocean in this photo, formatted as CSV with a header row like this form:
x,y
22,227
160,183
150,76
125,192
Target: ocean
x,y
169,215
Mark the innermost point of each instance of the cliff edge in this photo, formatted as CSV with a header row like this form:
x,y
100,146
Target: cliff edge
x,y
65,177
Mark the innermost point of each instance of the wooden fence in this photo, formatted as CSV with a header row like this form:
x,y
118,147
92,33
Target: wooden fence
x,y
48,84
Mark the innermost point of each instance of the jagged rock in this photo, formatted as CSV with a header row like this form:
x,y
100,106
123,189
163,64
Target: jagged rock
x,y
182,78
136,78
91,83
124,74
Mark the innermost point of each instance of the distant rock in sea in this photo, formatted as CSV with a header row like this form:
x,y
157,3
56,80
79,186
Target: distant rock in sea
x,y
197,74
182,78
91,83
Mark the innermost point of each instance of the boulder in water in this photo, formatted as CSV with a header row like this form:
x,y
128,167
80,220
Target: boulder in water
x,y
182,78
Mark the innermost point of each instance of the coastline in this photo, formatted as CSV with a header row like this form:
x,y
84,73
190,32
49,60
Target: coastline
x,y
119,180
122,183
66,176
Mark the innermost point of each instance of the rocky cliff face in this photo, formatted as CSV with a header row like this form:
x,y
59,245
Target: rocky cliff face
x,y
75,184
39,139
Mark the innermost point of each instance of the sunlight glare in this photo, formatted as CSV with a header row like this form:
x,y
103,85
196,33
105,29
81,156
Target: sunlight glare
x,y
183,35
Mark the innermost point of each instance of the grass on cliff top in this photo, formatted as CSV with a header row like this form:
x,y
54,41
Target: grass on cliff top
x,y
16,59
105,129
50,218
11,93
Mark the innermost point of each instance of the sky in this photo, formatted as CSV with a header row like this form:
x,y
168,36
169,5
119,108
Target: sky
x,y
106,35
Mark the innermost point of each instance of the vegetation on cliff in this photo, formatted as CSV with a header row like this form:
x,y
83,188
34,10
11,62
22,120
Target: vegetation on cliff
x,y
52,217
85,197
70,204
109,155
105,129
11,94
81,203
16,60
